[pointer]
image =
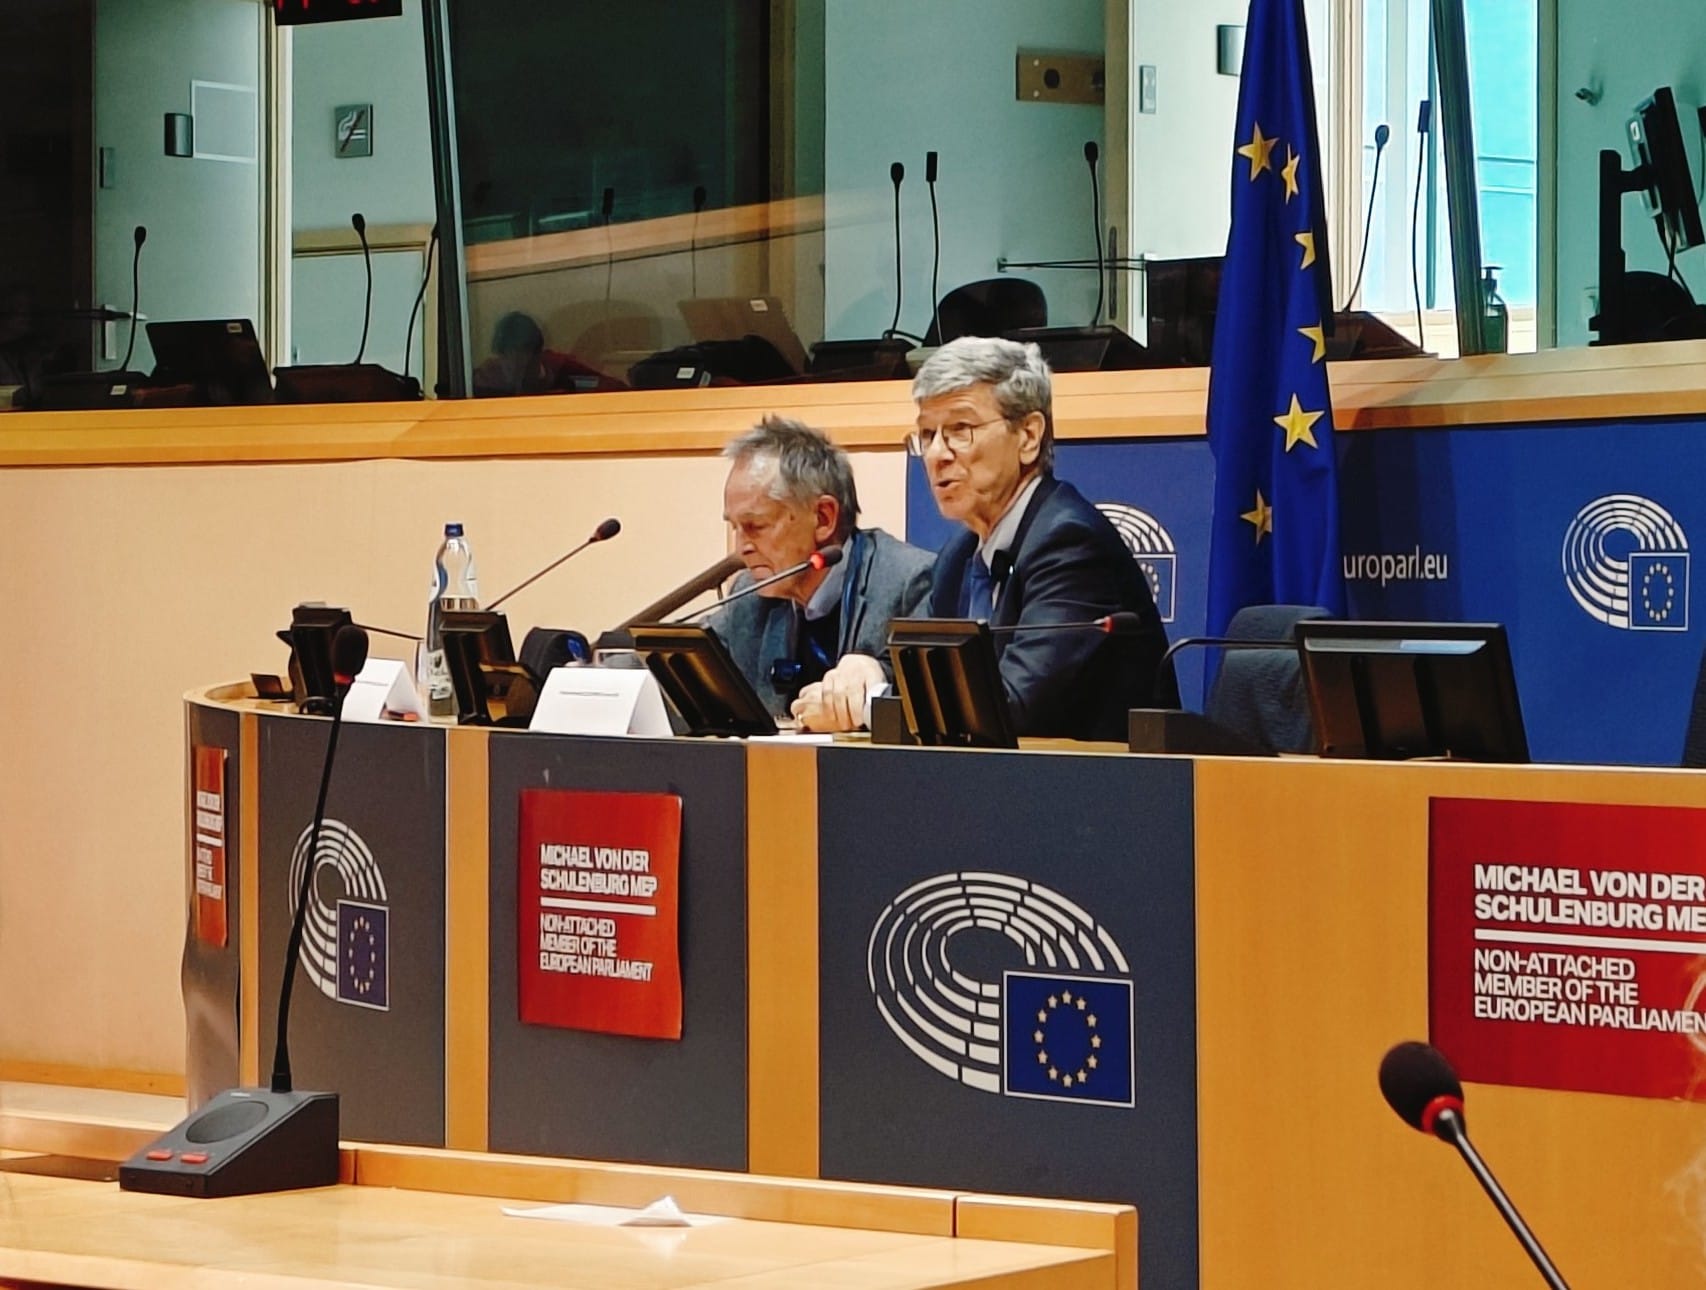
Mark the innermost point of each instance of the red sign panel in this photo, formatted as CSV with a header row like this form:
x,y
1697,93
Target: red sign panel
x,y
207,816
598,936
1567,945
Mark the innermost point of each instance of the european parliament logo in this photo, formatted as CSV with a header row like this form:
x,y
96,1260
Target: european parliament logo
x,y
346,942
1152,547
1059,1028
1626,564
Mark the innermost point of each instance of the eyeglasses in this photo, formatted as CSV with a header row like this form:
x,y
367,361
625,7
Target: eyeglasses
x,y
955,438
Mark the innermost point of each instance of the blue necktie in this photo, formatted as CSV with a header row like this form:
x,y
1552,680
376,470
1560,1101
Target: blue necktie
x,y
979,589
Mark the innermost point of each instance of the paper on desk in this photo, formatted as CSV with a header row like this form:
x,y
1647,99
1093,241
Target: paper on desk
x,y
660,1213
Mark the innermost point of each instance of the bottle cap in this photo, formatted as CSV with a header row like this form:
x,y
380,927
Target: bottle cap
x,y
452,530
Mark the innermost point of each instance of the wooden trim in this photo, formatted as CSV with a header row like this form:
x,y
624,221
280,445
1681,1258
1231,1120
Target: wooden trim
x,y
467,936
781,960
637,239
918,1211
249,900
1495,389
58,1135
1054,1222
161,1083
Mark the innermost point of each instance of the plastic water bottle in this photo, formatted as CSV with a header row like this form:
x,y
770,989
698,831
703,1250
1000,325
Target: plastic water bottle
x,y
455,586
1496,322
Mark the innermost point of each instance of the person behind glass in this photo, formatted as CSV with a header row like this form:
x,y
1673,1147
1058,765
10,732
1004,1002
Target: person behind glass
x,y
520,363
789,493
1033,551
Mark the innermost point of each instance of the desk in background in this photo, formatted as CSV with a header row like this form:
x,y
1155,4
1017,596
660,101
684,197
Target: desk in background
x,y
1272,915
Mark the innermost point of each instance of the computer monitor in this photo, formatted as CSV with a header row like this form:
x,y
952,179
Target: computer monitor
x,y
949,683
699,677
1661,161
220,357
1636,305
1398,691
472,638
312,627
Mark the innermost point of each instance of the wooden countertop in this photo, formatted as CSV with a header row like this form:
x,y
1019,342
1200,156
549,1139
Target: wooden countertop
x,y
1552,386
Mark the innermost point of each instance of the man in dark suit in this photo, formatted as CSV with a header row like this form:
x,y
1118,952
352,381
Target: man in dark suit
x,y
790,492
1034,551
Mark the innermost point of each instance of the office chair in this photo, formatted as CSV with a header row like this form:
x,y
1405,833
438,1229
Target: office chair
x,y
1259,694
988,307
1694,740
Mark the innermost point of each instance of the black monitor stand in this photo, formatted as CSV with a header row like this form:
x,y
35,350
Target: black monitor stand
x,y
1634,306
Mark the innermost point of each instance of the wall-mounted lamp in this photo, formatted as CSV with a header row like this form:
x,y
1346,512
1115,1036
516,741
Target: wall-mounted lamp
x,y
180,134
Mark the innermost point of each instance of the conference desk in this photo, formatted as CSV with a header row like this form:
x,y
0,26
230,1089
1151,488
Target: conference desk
x,y
1269,917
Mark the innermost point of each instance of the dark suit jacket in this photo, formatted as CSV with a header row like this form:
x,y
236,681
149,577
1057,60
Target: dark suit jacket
x,y
1069,565
885,579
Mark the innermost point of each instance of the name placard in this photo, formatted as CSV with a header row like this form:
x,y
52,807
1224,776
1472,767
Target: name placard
x,y
601,701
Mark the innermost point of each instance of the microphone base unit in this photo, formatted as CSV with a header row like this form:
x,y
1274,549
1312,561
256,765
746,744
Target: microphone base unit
x,y
244,1142
344,383
89,391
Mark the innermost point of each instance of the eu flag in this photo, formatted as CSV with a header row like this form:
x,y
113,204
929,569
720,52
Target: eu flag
x,y
1067,1038
364,955
1270,423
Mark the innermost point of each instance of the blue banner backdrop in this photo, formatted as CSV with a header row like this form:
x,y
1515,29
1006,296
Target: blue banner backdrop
x,y
1576,537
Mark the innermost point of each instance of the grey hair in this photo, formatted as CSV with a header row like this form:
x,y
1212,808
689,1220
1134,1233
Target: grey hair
x,y
1018,374
808,465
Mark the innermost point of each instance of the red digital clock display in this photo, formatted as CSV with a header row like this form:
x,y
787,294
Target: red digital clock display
x,y
293,13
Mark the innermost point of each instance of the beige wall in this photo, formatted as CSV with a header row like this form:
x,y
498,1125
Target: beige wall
x,y
126,586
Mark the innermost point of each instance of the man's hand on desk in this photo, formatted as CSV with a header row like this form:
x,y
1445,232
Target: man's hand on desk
x,y
839,701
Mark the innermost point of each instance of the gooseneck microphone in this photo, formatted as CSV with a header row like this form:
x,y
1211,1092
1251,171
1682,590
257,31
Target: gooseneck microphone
x,y
897,172
359,222
1382,133
1424,126
603,533
823,558
1123,623
934,329
140,234
699,198
245,1141
1091,154
409,336
1420,1085
349,655
1221,642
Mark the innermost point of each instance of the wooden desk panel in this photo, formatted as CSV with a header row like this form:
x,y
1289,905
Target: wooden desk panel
x,y
90,1234
1312,919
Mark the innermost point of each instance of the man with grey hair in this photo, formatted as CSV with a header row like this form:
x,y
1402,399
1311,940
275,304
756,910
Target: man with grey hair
x,y
789,493
1034,553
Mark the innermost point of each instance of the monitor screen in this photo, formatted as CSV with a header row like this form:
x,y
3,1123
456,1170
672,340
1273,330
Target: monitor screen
x,y
949,683
473,637
220,357
1657,149
312,627
1396,691
698,676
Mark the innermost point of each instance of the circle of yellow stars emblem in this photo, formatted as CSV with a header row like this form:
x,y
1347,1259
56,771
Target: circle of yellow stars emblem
x,y
362,930
1658,576
1069,1074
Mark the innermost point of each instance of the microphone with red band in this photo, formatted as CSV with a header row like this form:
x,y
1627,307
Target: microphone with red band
x,y
603,533
1420,1085
1124,623
823,558
349,655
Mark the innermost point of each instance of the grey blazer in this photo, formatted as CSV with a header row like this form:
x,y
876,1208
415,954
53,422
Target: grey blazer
x,y
886,578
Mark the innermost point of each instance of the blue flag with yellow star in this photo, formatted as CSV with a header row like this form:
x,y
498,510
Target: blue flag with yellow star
x,y
1270,422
